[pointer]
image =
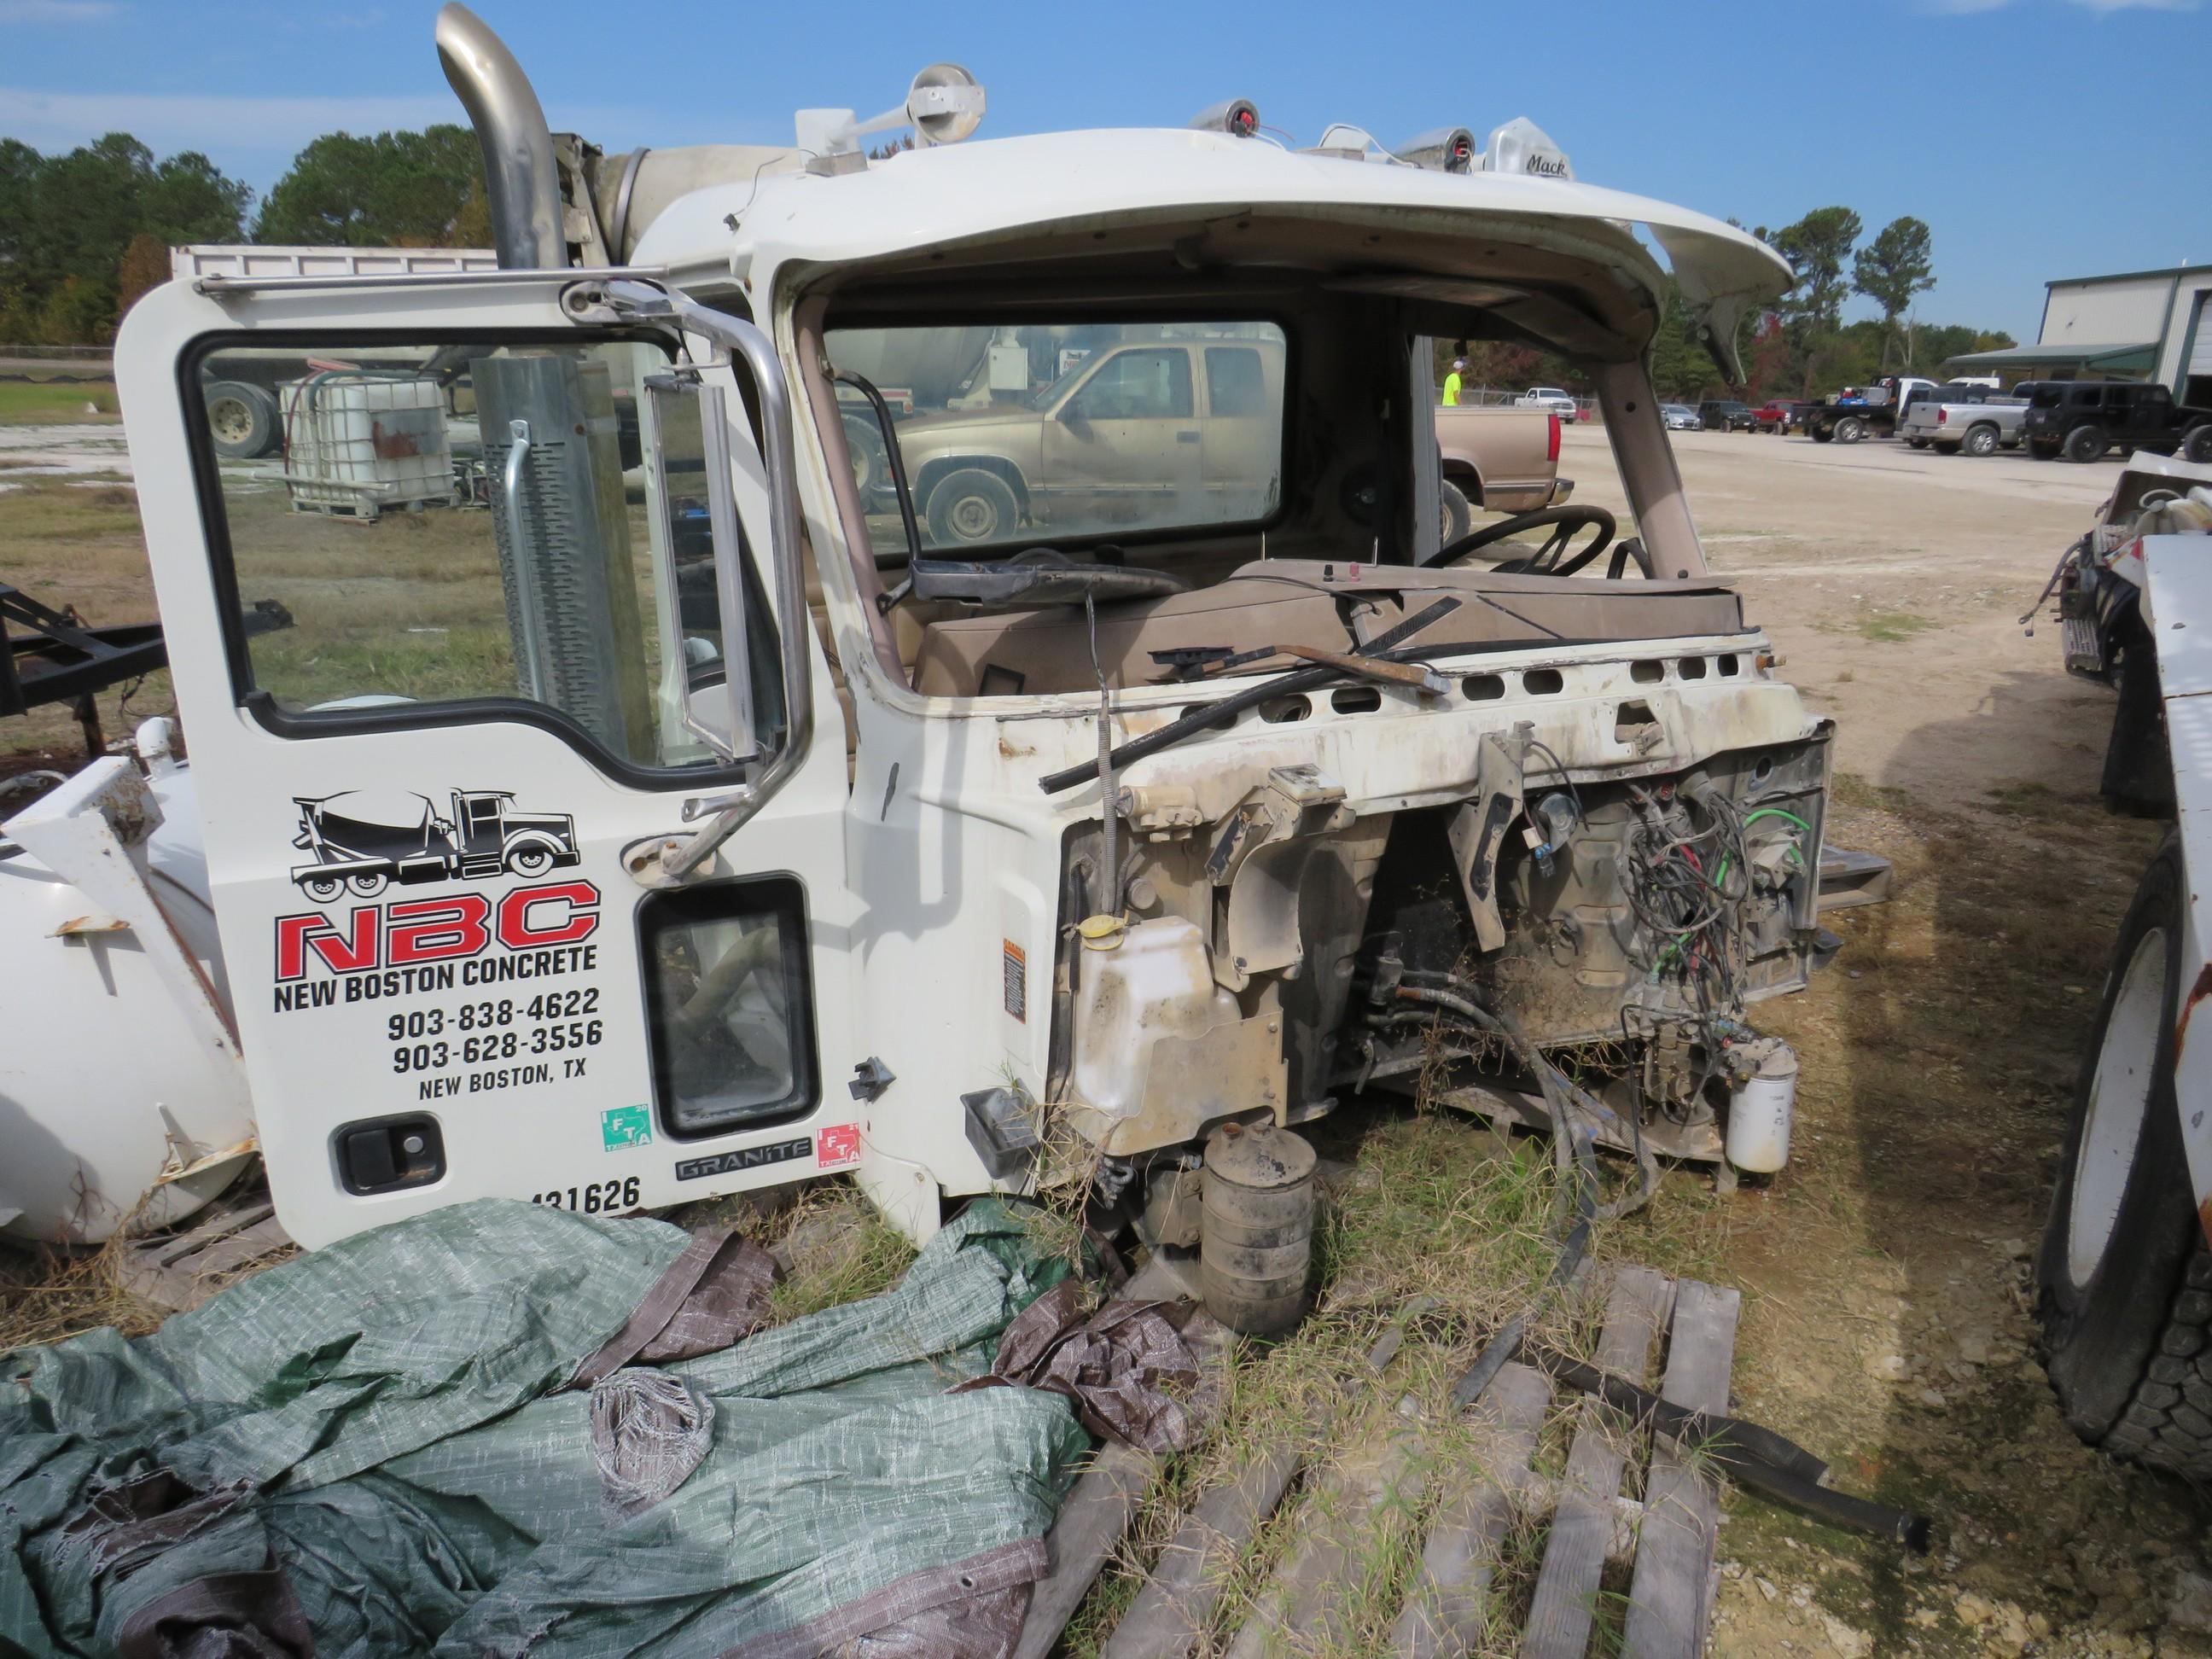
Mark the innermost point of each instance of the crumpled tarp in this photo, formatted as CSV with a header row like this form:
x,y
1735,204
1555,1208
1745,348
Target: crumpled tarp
x,y
387,1447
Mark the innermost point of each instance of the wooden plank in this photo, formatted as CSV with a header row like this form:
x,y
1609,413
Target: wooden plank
x,y
1560,1616
1176,1603
265,1238
1308,1603
1082,1540
1446,1612
1668,1599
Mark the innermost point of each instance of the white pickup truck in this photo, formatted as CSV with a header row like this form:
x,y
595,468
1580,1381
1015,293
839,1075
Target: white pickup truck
x,y
1968,420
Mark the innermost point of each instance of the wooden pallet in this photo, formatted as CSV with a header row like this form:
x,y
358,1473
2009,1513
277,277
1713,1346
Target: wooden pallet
x,y
1660,1546
180,1270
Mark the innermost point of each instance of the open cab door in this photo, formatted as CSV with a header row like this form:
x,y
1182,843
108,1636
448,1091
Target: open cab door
x,y
497,673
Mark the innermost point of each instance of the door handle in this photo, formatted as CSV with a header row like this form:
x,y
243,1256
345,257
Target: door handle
x,y
1186,437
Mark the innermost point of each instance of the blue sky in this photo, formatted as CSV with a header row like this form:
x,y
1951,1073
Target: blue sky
x,y
1758,111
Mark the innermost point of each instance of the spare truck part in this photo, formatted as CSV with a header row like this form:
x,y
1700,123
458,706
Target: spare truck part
x,y
695,835
2124,1274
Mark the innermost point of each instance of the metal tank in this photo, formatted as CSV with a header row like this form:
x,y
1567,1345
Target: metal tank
x,y
1256,1228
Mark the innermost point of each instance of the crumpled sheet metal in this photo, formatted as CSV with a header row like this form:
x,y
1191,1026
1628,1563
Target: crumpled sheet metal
x,y
843,1488
1115,1366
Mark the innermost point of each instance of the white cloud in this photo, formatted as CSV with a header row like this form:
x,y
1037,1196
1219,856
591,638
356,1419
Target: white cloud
x,y
55,11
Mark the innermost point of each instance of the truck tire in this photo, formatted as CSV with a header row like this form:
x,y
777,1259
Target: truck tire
x,y
242,420
530,862
972,508
1981,441
2124,1278
1850,429
1458,513
1822,434
872,468
2084,444
2196,444
324,888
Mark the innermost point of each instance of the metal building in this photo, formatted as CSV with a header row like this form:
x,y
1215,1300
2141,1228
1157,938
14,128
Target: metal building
x,y
2134,326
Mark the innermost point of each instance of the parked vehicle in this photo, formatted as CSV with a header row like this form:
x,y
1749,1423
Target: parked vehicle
x,y
1500,459
1038,860
1777,415
2125,1268
1965,417
1680,417
2082,420
1561,402
1725,415
1872,412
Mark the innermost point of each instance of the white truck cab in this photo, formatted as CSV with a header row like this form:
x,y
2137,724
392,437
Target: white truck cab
x,y
643,805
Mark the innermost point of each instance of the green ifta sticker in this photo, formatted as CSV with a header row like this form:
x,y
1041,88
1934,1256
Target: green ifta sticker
x,y
626,1126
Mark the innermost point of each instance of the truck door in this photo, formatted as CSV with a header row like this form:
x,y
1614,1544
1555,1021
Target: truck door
x,y
1123,451
1244,433
510,568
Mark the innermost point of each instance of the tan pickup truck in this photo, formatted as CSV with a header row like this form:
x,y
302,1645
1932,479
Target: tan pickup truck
x,y
1167,427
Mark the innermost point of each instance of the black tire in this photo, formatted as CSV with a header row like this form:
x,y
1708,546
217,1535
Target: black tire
x,y
972,508
1822,434
2124,1281
2084,444
530,862
242,420
1981,441
2196,444
864,444
1850,429
1457,511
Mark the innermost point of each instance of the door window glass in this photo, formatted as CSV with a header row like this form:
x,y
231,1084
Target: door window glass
x,y
727,993
1016,434
441,524
1137,385
1235,385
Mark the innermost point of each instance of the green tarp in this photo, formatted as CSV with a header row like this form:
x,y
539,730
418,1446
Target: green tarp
x,y
372,1450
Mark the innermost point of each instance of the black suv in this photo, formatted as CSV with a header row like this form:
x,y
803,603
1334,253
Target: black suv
x,y
1721,415
2082,419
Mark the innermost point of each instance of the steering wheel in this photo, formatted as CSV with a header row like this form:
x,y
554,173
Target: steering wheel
x,y
1551,559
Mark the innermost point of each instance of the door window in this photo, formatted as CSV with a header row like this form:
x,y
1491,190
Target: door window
x,y
728,995
416,530
1137,385
1235,385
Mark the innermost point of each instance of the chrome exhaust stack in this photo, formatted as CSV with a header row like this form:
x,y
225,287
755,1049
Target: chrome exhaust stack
x,y
520,177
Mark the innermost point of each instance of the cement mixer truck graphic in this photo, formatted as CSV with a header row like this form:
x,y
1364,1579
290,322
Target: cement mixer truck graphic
x,y
361,842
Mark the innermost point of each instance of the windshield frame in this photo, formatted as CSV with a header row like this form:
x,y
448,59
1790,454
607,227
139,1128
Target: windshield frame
x,y
894,557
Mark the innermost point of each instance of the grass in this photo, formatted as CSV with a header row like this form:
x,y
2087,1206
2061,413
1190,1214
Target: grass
x,y
1892,627
48,403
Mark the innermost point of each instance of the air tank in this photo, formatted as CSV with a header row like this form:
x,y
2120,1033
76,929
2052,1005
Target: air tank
x,y
1257,1227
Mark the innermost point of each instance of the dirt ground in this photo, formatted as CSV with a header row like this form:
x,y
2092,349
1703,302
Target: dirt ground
x,y
1886,1319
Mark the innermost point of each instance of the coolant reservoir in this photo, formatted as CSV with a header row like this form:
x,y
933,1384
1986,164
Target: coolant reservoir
x,y
1760,1108
1138,985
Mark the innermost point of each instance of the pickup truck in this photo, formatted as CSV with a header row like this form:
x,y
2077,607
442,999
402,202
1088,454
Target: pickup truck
x,y
1553,398
1975,422
1203,412
2083,419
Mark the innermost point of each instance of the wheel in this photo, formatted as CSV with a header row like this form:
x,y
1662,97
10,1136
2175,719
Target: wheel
x,y
2124,1281
530,862
1457,512
863,443
1850,429
2196,444
972,508
2084,444
324,888
1981,441
242,420
367,886
1822,434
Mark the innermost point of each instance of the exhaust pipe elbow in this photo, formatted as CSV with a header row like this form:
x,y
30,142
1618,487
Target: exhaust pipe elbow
x,y
520,179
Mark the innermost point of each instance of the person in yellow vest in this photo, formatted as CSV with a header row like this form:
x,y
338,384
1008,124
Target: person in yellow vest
x,y
1453,381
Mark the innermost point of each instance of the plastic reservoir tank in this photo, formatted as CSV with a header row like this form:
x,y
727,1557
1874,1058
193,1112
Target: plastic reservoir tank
x,y
1761,1107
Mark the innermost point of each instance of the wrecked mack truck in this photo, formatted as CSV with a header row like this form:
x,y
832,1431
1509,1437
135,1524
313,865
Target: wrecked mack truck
x,y
1222,791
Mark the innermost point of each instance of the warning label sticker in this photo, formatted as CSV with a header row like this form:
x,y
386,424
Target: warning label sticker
x,y
1015,969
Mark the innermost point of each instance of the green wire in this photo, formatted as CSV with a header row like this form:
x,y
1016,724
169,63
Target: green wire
x,y
1776,813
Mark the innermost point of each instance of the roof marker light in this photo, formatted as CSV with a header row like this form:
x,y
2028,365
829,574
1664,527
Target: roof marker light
x,y
1521,146
1237,117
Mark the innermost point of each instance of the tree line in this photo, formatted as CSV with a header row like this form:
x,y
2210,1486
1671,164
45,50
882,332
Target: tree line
x,y
83,234
1800,346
